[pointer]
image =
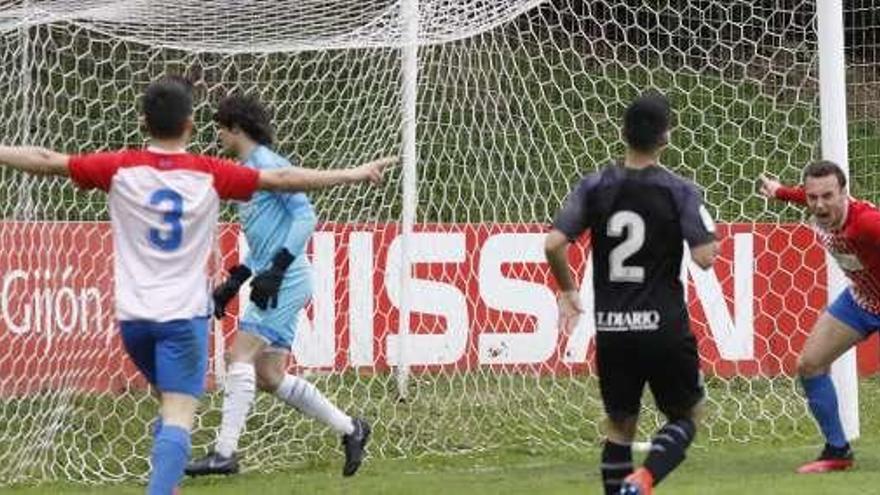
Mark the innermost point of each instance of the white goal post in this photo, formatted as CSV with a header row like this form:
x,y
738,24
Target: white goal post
x,y
832,99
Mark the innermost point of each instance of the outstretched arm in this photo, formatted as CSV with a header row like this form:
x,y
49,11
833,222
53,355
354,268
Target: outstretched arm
x,y
34,160
774,189
303,179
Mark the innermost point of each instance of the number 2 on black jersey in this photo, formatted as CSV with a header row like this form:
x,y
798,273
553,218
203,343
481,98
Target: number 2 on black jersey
x,y
632,225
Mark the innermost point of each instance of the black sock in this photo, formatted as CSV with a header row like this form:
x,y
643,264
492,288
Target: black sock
x,y
616,465
668,447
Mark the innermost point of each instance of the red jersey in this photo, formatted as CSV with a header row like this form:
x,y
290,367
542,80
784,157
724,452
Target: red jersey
x,y
855,246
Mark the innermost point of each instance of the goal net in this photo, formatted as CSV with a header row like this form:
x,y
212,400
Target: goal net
x,y
514,101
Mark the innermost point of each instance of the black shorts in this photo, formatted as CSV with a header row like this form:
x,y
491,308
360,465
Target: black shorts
x,y
667,360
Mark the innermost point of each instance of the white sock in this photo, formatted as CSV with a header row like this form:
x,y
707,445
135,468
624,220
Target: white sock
x,y
237,401
304,396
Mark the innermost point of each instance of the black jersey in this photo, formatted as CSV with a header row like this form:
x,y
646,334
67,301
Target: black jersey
x,y
639,220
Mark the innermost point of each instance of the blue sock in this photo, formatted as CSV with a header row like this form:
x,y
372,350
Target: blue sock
x,y
170,453
822,398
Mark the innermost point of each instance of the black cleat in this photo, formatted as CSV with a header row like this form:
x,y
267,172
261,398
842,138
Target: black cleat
x,y
354,446
213,463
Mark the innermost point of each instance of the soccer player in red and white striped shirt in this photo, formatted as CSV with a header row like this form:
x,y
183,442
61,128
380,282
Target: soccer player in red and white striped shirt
x,y
850,230
164,205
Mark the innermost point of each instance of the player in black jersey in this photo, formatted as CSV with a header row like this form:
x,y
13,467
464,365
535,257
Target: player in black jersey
x,y
639,215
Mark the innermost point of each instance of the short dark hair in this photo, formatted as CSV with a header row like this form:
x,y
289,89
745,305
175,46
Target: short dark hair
x,y
167,104
248,114
824,168
646,121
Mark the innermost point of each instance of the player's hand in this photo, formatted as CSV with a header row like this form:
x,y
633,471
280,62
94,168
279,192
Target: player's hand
x,y
374,170
768,186
570,310
227,291
265,287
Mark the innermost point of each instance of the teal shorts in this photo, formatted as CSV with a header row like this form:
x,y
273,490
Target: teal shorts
x,y
277,326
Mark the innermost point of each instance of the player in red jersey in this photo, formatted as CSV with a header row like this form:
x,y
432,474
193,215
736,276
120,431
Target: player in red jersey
x,y
850,231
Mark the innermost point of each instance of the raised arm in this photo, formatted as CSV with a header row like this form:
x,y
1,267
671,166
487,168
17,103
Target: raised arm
x,y
295,179
774,189
34,160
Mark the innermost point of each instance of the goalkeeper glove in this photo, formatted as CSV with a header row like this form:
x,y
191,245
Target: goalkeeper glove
x,y
224,292
265,286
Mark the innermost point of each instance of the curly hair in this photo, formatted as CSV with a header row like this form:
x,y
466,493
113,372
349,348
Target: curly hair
x,y
248,114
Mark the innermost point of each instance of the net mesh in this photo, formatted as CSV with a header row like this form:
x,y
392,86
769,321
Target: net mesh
x,y
515,101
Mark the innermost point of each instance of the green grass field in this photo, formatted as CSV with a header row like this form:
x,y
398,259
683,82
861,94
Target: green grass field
x,y
763,465
716,470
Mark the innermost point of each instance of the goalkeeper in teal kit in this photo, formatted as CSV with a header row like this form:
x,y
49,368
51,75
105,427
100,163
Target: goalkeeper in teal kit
x,y
277,227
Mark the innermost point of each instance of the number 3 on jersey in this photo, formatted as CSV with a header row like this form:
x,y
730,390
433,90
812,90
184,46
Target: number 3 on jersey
x,y
634,226
169,238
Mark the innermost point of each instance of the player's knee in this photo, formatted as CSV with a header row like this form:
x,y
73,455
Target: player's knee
x,y
178,409
266,385
808,366
269,378
246,347
242,355
621,429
